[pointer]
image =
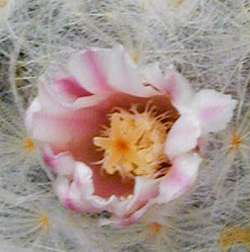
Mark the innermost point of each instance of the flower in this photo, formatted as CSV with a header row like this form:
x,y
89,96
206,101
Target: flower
x,y
120,137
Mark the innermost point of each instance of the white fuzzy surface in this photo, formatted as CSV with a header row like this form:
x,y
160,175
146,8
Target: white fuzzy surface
x,y
206,40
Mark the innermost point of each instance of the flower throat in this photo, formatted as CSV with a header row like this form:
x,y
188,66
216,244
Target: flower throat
x,y
133,144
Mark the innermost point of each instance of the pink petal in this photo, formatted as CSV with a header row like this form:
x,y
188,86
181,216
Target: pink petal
x,y
70,200
55,102
64,163
180,177
75,194
178,89
78,194
61,164
50,100
83,184
71,88
51,119
213,109
183,136
89,69
63,129
103,71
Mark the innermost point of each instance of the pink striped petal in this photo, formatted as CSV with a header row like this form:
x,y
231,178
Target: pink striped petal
x,y
181,176
55,102
89,69
183,136
64,129
53,120
50,100
70,88
103,71
214,110
77,192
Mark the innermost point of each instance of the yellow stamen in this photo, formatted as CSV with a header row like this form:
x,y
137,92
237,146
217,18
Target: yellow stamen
x,y
133,144
29,145
155,229
136,57
3,3
44,222
236,141
233,236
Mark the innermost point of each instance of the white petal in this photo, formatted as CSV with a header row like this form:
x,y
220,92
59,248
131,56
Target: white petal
x,y
61,164
129,211
181,176
214,110
183,136
76,194
151,73
83,178
145,190
177,88
61,187
152,77
33,108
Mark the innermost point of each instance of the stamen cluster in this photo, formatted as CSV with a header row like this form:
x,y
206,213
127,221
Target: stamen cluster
x,y
133,144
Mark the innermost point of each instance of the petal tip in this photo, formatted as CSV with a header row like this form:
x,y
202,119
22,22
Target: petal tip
x,y
213,109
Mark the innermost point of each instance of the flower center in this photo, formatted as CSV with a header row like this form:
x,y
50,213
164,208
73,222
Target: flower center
x,y
133,144
122,146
